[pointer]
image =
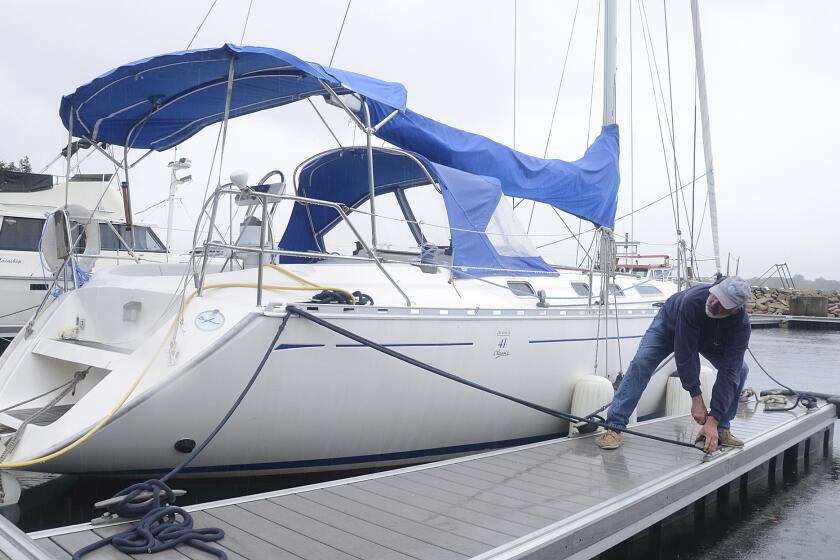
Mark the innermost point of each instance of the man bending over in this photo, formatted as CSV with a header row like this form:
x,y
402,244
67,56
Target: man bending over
x,y
707,320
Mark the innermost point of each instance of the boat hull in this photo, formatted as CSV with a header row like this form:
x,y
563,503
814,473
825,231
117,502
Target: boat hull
x,y
324,402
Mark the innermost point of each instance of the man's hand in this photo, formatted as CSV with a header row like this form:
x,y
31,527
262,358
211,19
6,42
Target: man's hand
x,y
698,409
710,432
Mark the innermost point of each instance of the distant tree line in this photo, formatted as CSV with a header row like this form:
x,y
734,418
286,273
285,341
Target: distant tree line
x,y
22,165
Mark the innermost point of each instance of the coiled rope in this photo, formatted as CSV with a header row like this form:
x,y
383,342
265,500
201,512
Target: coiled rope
x,y
165,526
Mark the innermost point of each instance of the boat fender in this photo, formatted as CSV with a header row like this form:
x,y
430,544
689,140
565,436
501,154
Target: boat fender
x,y
708,376
185,445
677,399
590,393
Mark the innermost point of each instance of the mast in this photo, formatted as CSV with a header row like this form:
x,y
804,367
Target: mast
x,y
610,24
606,247
707,134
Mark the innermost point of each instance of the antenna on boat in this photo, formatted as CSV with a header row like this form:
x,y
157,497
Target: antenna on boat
x,y
176,165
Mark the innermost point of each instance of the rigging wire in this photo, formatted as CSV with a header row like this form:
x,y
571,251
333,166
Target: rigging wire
x,y
338,38
515,2
657,84
693,172
200,25
562,76
627,215
247,17
632,132
594,64
648,48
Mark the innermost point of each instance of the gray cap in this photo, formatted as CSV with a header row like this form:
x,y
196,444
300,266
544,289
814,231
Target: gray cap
x,y
732,292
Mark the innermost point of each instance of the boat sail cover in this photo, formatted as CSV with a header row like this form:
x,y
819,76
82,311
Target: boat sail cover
x,y
586,188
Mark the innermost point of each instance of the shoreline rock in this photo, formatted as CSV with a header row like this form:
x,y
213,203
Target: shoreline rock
x,y
775,301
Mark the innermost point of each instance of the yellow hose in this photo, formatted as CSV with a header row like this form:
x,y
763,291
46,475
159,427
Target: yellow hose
x,y
303,280
96,427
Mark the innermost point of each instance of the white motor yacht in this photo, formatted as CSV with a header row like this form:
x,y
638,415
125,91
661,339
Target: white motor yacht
x,y
26,199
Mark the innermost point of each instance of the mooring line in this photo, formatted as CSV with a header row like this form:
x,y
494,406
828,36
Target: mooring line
x,y
437,371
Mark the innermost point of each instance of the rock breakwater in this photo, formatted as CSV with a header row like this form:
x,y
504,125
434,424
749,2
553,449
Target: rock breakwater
x,y
776,301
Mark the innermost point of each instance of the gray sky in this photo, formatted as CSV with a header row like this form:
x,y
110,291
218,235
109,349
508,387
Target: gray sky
x,y
772,80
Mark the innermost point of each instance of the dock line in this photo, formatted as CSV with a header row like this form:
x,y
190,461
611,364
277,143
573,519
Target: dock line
x,y
160,529
437,371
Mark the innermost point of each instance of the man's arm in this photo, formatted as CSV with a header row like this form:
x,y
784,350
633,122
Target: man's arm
x,y
686,348
728,375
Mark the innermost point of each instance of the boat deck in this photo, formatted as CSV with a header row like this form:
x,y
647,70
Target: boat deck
x,y
556,499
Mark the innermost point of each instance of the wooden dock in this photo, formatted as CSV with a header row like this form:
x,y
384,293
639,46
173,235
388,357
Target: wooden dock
x,y
562,498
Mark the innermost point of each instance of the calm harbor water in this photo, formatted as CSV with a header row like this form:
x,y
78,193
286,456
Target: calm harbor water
x,y
798,520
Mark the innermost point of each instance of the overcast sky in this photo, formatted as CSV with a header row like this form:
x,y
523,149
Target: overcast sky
x,y
772,71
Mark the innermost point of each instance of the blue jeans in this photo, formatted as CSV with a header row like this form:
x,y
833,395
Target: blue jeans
x,y
656,345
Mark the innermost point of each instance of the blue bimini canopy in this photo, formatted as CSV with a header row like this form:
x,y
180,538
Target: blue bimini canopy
x,y
586,188
158,102
483,241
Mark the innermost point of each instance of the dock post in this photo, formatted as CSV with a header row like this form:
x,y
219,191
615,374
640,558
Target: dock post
x,y
776,467
676,528
794,460
759,479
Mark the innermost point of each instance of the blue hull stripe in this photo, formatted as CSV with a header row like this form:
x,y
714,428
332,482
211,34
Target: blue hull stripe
x,y
409,345
337,461
293,346
582,339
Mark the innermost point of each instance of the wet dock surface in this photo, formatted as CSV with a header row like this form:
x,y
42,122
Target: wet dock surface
x,y
560,498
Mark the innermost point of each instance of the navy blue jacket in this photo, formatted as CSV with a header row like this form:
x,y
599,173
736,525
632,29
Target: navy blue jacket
x,y
723,341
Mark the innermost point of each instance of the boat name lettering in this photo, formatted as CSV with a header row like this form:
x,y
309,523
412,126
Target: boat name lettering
x,y
501,350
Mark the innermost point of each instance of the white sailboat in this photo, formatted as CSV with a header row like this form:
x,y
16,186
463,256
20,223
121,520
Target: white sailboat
x,y
144,359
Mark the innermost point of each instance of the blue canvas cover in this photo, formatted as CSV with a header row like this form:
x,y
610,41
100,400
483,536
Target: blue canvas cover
x,y
470,200
586,188
470,203
342,176
158,102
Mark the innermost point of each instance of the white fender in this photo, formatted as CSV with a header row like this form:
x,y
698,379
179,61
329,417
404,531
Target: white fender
x,y
591,393
677,399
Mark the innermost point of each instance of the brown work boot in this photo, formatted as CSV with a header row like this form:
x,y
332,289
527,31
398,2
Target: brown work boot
x,y
609,440
728,440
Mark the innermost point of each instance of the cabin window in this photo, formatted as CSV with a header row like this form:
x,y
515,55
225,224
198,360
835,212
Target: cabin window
x,y
392,234
521,289
145,240
428,207
506,234
20,234
648,290
580,288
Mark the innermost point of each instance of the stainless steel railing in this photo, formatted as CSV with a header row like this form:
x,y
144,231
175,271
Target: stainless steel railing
x,y
262,250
